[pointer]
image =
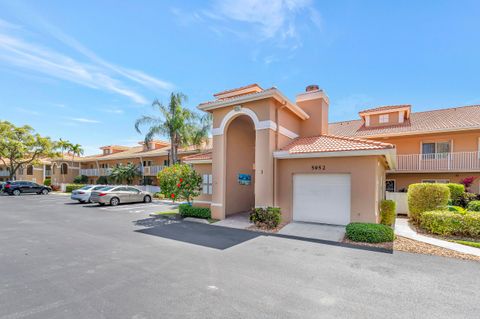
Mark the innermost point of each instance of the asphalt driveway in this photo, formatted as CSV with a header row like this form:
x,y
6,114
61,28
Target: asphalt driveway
x,y
62,260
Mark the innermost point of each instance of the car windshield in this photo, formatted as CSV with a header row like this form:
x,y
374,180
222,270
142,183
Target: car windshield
x,y
96,188
85,188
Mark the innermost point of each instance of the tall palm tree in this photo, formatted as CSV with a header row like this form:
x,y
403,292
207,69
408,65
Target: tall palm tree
x,y
175,121
63,145
76,150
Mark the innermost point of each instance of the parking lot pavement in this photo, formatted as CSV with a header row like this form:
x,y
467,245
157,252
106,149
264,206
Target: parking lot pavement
x,y
61,260
62,200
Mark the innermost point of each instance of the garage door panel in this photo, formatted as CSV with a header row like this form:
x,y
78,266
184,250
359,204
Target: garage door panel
x,y
322,198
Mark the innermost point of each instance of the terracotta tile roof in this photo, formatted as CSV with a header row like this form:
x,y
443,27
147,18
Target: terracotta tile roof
x,y
330,143
238,89
236,97
134,152
385,108
204,156
458,118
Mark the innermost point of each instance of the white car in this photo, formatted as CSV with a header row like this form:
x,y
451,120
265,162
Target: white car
x,y
83,194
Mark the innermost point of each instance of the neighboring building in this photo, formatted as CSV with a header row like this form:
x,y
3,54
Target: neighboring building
x,y
270,151
150,159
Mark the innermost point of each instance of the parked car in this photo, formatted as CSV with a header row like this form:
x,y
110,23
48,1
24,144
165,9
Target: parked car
x,y
83,194
115,195
20,187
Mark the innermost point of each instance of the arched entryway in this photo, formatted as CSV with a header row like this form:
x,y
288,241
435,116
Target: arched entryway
x,y
240,162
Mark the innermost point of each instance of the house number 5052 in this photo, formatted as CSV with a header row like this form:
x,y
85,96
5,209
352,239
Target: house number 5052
x,y
318,167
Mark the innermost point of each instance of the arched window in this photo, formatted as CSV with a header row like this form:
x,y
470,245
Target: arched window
x,y
30,170
64,169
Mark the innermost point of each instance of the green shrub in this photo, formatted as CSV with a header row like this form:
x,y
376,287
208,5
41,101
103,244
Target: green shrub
x,y
192,211
456,193
71,187
179,181
456,209
424,197
159,195
80,179
47,182
467,198
269,217
388,209
102,180
451,223
474,206
369,233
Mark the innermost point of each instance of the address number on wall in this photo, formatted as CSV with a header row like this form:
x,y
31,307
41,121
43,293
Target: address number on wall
x,y
318,167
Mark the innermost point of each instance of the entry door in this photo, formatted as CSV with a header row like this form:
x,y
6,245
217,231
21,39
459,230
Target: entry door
x,y
322,198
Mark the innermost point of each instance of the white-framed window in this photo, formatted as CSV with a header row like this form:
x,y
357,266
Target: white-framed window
x,y
390,185
104,165
436,150
383,118
207,184
147,163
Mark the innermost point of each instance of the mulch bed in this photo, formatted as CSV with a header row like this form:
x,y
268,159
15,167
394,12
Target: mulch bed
x,y
417,247
265,229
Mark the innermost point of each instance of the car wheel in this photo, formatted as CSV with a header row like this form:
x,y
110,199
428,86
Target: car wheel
x,y
114,201
16,192
44,191
147,199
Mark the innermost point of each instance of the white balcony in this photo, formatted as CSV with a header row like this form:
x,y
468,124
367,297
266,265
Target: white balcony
x,y
439,162
96,171
152,170
4,173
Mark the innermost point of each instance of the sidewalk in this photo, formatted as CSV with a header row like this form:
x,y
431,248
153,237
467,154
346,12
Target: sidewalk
x,y
402,228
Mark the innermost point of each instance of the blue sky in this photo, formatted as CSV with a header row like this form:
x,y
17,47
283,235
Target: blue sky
x,y
85,71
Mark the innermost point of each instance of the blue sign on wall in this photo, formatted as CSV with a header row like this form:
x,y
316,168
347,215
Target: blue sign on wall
x,y
244,179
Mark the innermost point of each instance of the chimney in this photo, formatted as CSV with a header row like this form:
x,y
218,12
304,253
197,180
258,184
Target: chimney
x,y
315,103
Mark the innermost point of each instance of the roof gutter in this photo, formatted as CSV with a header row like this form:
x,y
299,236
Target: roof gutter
x,y
389,153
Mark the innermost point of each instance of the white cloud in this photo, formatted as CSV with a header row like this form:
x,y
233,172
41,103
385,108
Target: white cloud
x,y
83,120
275,18
95,73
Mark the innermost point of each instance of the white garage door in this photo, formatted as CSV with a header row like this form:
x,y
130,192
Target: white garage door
x,y
322,198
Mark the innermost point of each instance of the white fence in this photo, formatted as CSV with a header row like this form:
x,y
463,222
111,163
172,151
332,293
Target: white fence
x,y
401,200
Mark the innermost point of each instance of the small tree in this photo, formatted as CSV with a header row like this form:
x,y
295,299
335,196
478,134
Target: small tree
x,y
21,146
125,173
179,181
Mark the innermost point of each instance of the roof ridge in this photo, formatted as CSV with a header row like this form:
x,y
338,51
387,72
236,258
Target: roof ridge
x,y
349,138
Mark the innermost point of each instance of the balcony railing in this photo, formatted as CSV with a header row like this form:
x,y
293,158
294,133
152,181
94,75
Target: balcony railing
x,y
4,173
439,162
152,170
48,172
96,171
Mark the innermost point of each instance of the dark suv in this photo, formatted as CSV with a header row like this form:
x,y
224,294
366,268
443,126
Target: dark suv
x,y
18,187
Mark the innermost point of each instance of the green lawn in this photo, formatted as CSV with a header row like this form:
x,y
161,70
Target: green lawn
x,y
468,243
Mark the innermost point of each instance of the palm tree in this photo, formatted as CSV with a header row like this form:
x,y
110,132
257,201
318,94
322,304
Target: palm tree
x,y
63,145
76,150
176,122
126,173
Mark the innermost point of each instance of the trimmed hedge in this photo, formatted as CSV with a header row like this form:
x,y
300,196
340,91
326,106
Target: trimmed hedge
x,y
456,193
474,206
369,233
451,224
388,210
269,217
191,211
423,197
80,179
47,182
71,187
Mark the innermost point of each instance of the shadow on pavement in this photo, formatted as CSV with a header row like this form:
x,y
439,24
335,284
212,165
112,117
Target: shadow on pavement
x,y
195,233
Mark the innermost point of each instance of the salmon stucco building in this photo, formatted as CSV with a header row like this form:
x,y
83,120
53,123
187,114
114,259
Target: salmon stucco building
x,y
270,151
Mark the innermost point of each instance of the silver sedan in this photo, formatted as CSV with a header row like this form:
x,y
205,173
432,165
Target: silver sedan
x,y
115,195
